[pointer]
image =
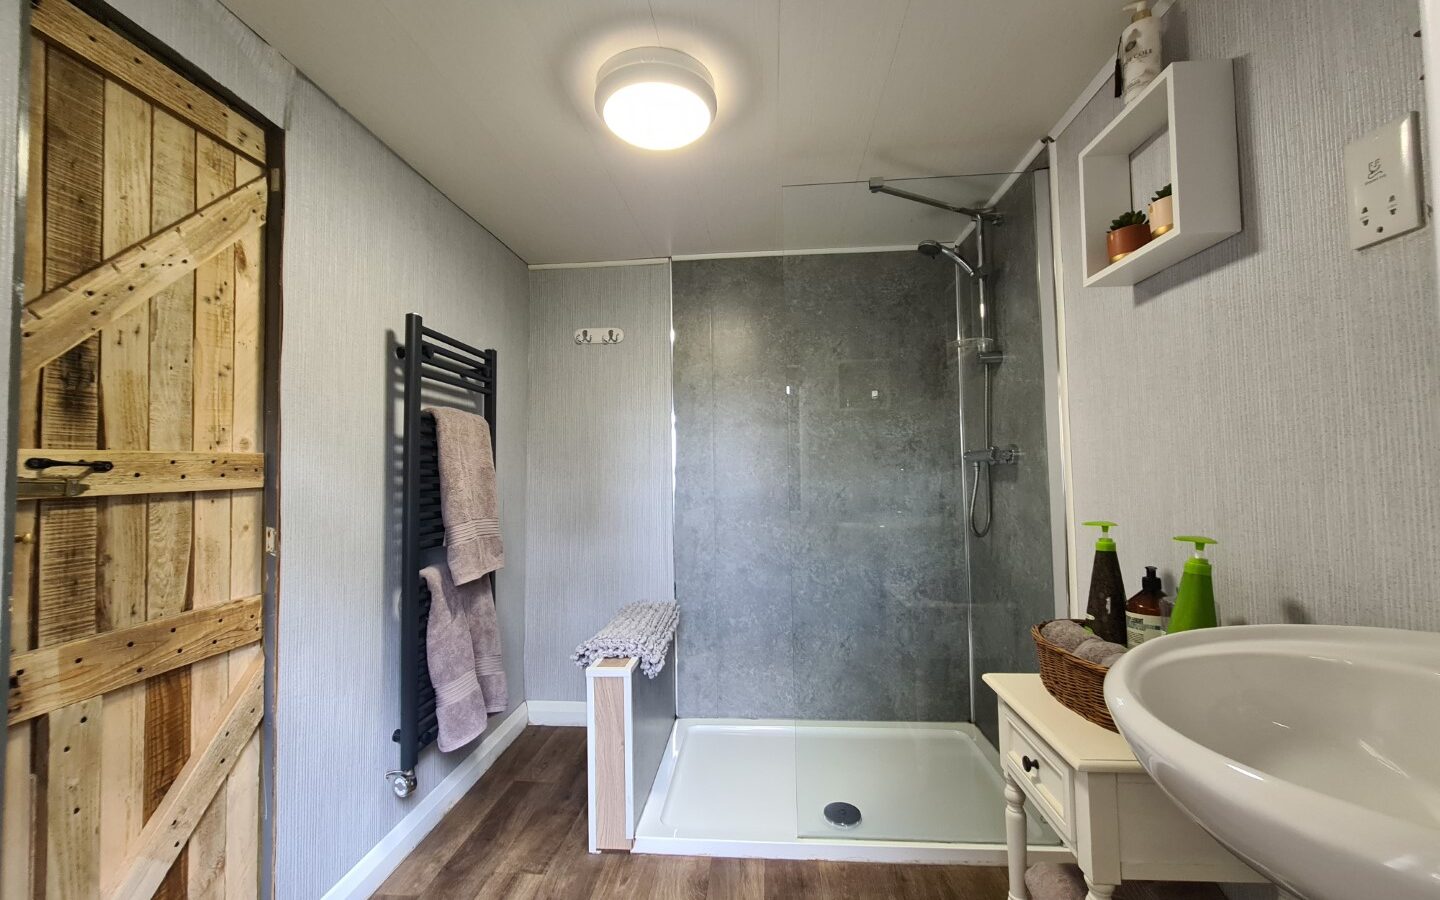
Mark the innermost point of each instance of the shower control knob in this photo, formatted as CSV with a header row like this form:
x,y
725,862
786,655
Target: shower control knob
x,y
1031,765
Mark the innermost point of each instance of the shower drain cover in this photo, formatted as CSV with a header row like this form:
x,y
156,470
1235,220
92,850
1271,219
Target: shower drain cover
x,y
842,814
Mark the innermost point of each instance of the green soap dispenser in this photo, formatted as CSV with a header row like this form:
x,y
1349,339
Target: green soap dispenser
x,y
1195,601
1105,610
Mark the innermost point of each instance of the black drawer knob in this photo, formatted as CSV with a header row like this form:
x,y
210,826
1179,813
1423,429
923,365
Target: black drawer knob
x,y
1031,765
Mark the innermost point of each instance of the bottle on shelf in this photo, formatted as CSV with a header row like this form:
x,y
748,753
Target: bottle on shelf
x,y
1144,617
1195,600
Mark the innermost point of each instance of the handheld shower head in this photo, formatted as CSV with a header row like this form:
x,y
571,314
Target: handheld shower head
x,y
934,249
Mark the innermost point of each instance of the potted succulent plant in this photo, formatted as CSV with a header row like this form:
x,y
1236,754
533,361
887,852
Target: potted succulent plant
x,y
1127,234
1162,212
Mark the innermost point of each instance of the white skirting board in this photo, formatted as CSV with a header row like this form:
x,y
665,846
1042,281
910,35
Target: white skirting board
x,y
385,857
557,712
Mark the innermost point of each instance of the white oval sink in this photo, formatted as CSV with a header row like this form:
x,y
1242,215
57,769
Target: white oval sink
x,y
1311,751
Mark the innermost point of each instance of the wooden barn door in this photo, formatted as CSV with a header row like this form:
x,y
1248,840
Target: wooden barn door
x,y
136,681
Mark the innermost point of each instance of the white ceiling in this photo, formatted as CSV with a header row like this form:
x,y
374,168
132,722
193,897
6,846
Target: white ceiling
x,y
493,102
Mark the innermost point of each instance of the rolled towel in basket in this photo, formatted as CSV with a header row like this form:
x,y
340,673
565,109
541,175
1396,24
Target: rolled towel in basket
x,y
1065,634
641,630
1102,653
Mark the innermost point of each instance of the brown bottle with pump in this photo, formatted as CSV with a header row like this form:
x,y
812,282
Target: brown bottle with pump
x,y
1144,618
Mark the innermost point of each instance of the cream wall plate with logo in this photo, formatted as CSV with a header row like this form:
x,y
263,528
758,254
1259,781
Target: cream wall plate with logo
x,y
1382,183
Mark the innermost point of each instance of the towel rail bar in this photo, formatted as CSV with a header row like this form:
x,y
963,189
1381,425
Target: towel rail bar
x,y
426,356
437,352
455,381
458,369
453,342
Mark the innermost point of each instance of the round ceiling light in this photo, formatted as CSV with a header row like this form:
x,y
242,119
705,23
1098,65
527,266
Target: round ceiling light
x,y
655,98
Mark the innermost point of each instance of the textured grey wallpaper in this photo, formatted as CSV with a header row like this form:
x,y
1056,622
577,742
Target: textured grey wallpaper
x,y
819,565
366,240
1012,580
1278,391
600,469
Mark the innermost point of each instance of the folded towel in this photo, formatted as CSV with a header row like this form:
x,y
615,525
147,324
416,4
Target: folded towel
x,y
462,648
1055,881
1065,881
1097,651
1064,633
469,501
643,630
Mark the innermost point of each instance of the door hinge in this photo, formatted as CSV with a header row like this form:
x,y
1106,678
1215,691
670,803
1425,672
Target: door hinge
x,y
274,181
271,540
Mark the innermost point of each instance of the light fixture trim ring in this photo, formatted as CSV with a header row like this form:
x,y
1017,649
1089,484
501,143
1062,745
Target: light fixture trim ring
x,y
661,65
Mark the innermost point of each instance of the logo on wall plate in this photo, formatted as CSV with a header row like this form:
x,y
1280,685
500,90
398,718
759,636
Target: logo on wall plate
x,y
599,335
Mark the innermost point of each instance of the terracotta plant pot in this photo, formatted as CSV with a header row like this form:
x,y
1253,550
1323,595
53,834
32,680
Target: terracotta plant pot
x,y
1162,216
1121,242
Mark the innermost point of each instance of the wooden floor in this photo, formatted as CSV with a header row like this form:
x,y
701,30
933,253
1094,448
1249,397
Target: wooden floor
x,y
520,833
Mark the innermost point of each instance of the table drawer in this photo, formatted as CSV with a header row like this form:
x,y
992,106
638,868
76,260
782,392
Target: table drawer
x,y
1039,771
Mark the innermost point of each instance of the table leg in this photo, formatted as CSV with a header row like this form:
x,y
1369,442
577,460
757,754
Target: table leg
x,y
1099,891
1015,843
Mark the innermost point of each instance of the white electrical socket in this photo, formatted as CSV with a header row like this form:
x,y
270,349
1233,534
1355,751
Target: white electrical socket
x,y
1382,182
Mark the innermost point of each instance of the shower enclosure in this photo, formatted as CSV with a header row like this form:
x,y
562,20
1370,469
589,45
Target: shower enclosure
x,y
824,564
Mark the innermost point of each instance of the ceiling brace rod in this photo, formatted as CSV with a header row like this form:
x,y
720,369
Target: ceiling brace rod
x,y
878,186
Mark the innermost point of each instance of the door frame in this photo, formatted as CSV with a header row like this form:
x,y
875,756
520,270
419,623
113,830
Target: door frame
x,y
273,321
1430,37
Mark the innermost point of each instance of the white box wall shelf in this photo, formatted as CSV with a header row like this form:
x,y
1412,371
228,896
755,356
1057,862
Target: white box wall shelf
x,y
1193,105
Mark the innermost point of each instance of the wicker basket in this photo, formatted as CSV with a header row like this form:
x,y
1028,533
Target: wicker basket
x,y
1077,684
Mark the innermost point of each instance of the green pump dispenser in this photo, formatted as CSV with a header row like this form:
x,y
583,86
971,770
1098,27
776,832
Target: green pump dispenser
x,y
1105,610
1195,601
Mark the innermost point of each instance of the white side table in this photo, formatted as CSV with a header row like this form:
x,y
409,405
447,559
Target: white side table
x,y
1086,783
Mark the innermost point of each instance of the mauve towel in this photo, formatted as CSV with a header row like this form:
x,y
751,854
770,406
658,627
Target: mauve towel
x,y
1064,633
462,647
1055,881
1099,652
469,501
1065,881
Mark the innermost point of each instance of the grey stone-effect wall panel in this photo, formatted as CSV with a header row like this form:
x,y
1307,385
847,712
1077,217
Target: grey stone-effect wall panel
x,y
819,564
1011,567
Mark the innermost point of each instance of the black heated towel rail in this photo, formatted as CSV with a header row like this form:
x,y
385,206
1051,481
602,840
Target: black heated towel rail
x,y
428,356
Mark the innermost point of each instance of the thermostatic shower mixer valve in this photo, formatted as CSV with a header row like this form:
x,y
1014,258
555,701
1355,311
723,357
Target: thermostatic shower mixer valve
x,y
992,456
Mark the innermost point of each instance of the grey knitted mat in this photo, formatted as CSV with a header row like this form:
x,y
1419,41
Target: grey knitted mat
x,y
642,630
